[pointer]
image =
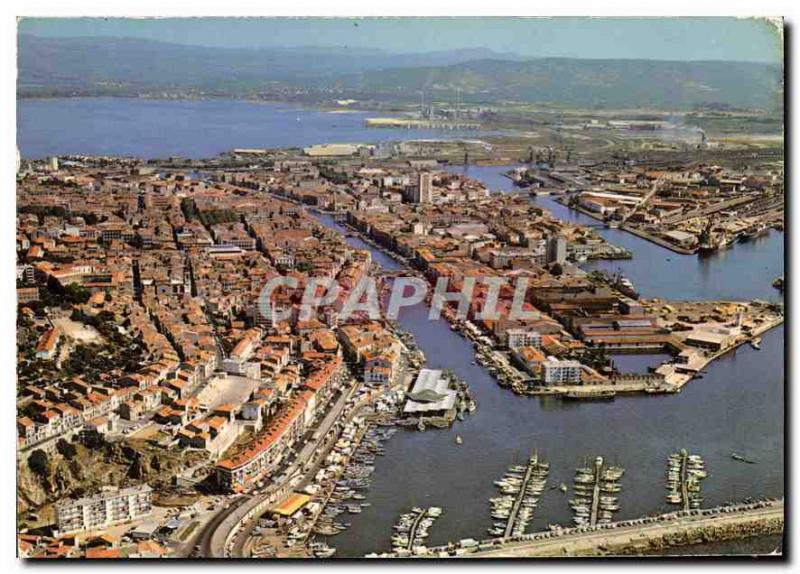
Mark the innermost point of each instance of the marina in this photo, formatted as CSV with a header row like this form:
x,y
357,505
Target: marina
x,y
521,488
412,529
684,473
596,492
347,478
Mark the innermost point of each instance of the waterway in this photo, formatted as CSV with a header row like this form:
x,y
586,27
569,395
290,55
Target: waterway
x,y
189,128
736,407
745,271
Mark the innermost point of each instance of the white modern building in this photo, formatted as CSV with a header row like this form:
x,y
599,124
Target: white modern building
x,y
110,507
523,338
557,372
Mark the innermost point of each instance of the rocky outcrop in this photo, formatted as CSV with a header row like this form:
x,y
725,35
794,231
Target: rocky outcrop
x,y
89,469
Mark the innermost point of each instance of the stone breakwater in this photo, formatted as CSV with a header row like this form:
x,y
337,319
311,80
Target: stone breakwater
x,y
701,535
646,535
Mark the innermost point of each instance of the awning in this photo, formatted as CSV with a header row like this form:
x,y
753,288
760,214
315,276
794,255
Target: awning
x,y
292,504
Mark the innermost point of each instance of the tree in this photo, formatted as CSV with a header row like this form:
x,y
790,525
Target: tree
x,y
136,242
93,440
188,208
67,449
39,463
76,294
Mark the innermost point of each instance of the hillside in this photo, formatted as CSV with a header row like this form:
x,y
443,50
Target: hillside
x,y
97,62
604,83
119,66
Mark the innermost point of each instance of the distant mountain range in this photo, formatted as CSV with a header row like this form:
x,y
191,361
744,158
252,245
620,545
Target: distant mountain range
x,y
122,66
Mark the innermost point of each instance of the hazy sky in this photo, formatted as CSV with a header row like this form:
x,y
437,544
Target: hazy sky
x,y
654,38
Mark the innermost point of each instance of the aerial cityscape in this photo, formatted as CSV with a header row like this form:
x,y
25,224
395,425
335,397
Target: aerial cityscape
x,y
304,289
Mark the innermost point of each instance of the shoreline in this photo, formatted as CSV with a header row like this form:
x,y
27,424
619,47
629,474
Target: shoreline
x,y
633,231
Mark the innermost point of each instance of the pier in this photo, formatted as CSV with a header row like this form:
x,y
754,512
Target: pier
x,y
684,473
412,530
412,534
521,489
523,493
595,509
595,489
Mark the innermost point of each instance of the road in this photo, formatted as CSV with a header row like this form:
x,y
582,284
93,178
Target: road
x,y
312,455
203,538
589,542
309,451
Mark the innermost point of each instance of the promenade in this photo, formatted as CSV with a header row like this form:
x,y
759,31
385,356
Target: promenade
x,y
635,533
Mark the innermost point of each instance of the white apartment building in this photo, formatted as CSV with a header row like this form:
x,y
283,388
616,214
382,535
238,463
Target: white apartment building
x,y
523,338
557,372
110,507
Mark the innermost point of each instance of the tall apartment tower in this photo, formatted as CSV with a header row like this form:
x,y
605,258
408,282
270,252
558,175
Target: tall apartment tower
x,y
422,192
556,250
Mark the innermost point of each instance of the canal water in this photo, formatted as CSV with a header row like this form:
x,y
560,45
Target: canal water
x,y
745,271
736,407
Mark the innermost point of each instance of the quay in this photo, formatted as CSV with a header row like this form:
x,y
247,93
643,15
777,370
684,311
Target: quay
x,y
634,230
628,536
630,229
622,537
423,124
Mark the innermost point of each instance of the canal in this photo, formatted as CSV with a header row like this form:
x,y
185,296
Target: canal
x,y
736,407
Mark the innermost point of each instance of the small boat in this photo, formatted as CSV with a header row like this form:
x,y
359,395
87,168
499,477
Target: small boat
x,y
756,343
562,487
324,552
459,440
740,458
